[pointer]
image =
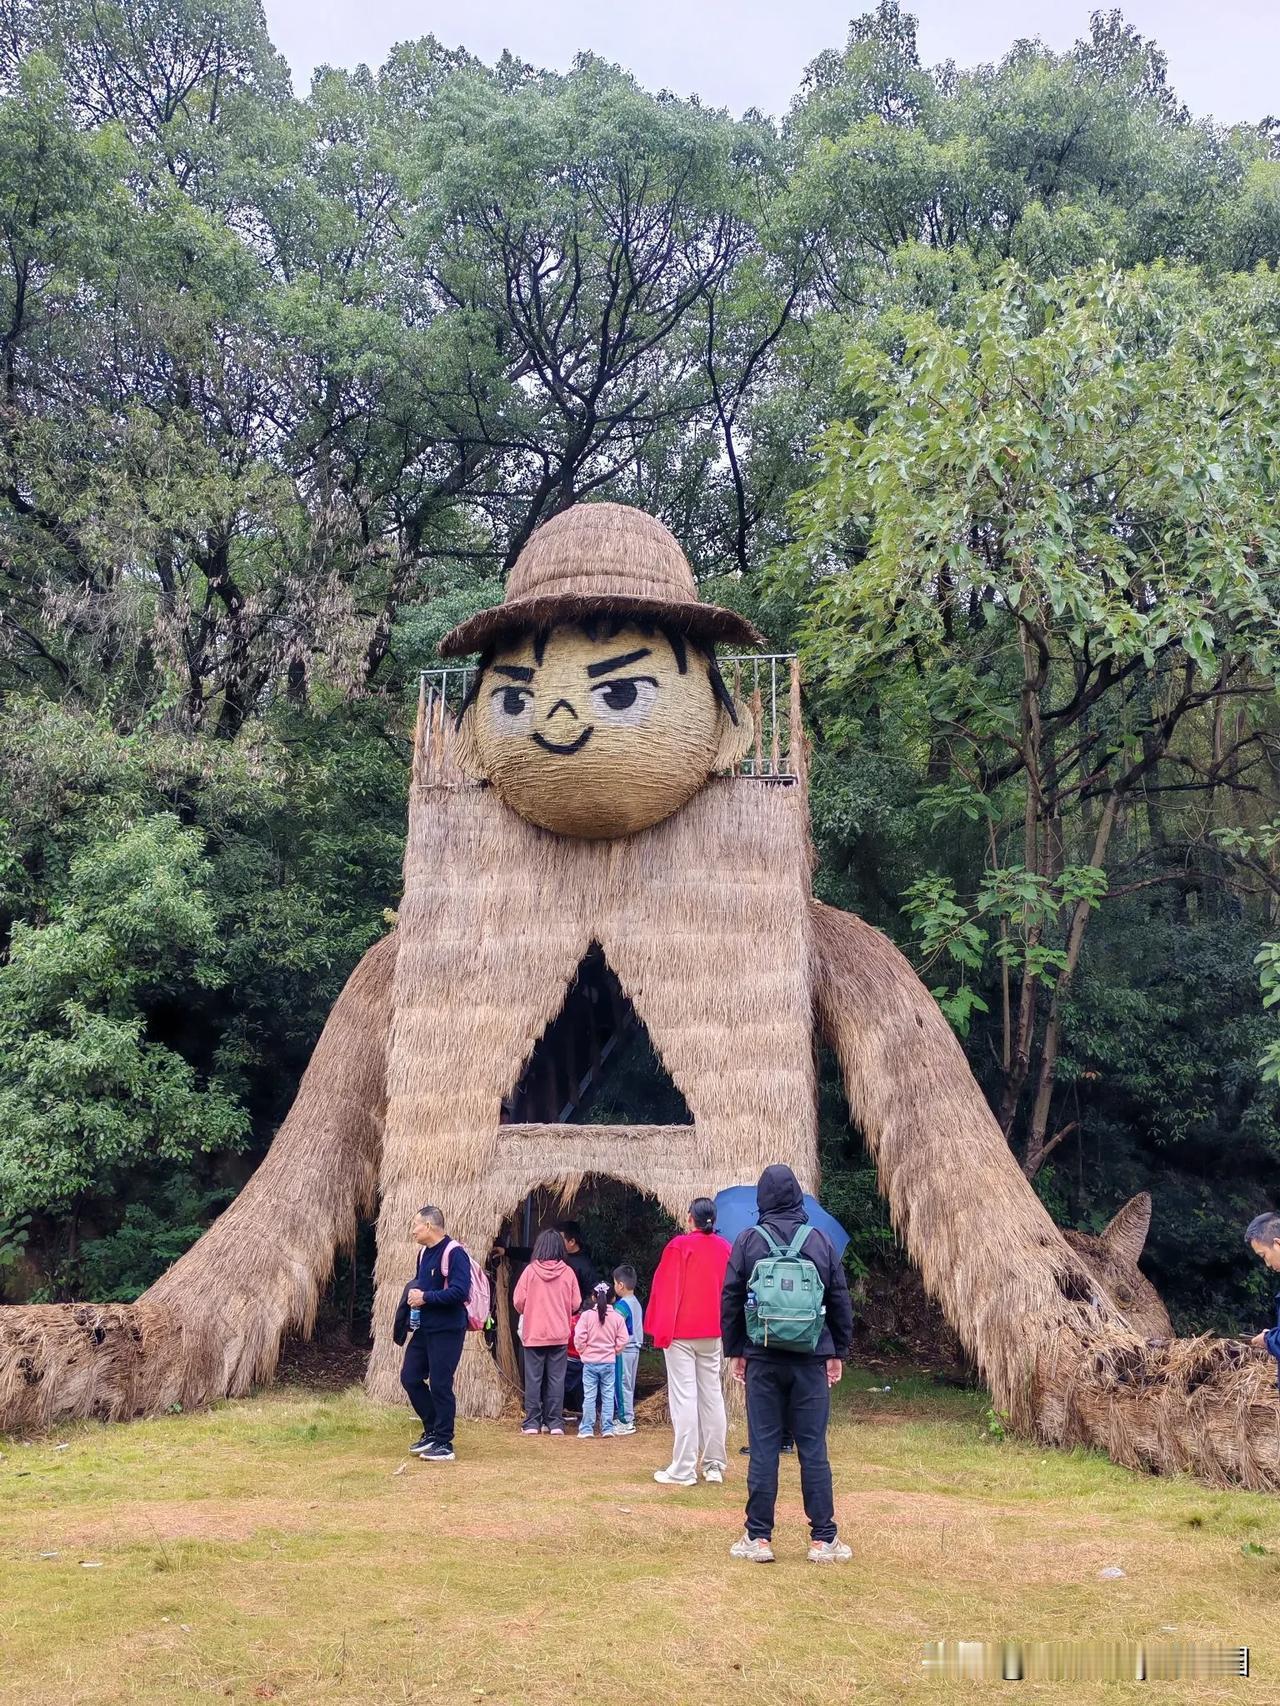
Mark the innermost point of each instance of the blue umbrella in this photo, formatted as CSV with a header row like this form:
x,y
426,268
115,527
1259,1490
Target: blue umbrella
x,y
736,1210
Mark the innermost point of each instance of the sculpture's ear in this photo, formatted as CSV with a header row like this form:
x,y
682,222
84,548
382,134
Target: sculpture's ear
x,y
1126,1232
464,748
735,738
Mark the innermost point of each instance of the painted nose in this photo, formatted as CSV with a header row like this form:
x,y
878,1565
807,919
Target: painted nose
x,y
568,707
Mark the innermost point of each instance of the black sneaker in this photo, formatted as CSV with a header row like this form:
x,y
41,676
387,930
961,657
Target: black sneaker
x,y
437,1454
419,1446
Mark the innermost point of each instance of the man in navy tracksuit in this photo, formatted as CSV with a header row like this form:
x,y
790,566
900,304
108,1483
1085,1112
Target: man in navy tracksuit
x,y
1263,1235
788,1391
432,1353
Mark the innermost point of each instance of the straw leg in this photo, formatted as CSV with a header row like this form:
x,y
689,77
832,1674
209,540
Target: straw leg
x,y
1060,1359
655,1409
480,1387
212,1325
508,1360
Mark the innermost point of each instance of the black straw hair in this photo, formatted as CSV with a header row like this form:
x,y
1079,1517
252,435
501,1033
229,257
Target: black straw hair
x,y
605,628
469,698
548,1246
718,687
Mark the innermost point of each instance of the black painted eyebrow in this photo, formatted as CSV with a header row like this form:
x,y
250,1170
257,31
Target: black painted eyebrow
x,y
517,671
607,665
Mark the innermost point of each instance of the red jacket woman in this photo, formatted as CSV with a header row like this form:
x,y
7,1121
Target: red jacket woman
x,y
684,1300
683,1318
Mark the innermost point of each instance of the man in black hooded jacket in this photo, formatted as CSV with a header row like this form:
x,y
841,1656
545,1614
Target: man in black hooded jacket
x,y
787,1391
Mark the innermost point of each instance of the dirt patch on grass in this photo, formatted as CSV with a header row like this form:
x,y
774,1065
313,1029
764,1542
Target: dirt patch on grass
x,y
173,1521
874,1416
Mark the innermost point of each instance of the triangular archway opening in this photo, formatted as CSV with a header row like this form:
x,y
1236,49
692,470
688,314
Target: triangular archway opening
x,y
595,1062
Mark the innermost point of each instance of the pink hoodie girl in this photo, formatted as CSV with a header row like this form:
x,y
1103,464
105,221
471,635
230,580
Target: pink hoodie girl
x,y
547,1295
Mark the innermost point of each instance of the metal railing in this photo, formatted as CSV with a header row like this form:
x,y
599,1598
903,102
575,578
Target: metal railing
x,y
768,685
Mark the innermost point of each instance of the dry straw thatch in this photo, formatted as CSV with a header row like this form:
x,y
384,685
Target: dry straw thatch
x,y
1204,1406
702,919
1112,1258
596,559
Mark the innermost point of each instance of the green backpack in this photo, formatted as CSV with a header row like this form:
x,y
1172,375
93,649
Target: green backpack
x,y
786,1305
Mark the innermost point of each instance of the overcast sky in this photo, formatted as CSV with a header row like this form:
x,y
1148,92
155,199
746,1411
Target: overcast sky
x,y
1224,55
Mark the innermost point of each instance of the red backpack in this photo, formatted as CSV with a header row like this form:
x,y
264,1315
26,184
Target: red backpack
x,y
478,1300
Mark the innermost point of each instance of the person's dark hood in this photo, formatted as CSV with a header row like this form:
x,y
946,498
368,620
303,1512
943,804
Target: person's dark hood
x,y
778,1195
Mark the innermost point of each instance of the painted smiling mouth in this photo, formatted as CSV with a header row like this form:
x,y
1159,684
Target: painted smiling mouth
x,y
573,746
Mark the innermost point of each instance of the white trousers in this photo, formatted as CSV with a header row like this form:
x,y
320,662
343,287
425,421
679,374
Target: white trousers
x,y
696,1401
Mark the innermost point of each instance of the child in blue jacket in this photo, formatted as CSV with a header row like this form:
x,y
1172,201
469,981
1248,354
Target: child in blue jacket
x,y
628,1306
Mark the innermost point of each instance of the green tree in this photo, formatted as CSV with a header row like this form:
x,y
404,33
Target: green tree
x,y
1049,542
85,1093
1056,160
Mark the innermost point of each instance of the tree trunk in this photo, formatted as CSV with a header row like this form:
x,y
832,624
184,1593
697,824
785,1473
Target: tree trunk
x,y
1039,1144
1028,998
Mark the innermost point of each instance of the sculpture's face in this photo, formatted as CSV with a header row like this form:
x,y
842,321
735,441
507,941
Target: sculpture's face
x,y
600,737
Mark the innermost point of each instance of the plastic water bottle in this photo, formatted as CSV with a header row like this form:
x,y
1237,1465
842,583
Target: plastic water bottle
x,y
415,1320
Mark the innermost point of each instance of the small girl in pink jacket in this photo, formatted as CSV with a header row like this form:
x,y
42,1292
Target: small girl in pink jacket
x,y
600,1335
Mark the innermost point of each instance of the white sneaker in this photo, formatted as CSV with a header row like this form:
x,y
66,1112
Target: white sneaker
x,y
754,1551
829,1552
715,1476
665,1478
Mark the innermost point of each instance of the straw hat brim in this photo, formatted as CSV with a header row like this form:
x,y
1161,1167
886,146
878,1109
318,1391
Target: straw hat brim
x,y
709,622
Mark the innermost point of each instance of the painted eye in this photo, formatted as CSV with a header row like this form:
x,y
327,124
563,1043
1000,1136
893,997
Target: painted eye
x,y
626,701
512,709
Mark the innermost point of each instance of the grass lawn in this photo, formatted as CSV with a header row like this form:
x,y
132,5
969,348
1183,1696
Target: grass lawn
x,y
284,1548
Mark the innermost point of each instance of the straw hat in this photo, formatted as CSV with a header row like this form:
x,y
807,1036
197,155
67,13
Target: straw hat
x,y
600,559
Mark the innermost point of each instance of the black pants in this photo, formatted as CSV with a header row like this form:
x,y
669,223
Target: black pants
x,y
793,1398
430,1362
573,1384
544,1385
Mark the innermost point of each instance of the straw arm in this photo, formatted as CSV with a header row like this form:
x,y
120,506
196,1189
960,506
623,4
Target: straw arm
x,y
985,1246
212,1325
1061,1361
